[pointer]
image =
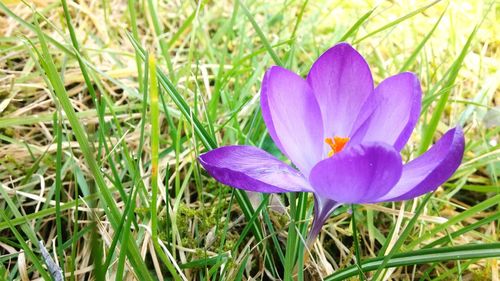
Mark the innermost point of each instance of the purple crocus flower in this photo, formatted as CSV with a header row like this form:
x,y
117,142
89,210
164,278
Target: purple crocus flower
x,y
343,135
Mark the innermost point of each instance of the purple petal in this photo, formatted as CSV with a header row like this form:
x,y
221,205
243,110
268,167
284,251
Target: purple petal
x,y
252,169
431,169
341,81
292,117
396,105
358,174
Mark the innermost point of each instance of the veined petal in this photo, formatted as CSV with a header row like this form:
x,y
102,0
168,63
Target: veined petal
x,y
252,169
431,169
292,117
358,174
396,105
341,81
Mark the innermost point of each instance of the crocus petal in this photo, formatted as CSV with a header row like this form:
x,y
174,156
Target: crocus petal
x,y
396,105
358,174
292,117
252,169
341,81
431,169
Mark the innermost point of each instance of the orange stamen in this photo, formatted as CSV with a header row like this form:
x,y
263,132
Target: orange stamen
x,y
336,143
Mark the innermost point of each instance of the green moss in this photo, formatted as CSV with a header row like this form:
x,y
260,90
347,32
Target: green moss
x,y
481,273
9,131
142,210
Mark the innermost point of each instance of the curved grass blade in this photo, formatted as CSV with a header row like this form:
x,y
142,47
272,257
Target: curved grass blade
x,y
403,236
262,37
465,252
430,129
397,21
354,28
26,248
461,231
456,219
420,46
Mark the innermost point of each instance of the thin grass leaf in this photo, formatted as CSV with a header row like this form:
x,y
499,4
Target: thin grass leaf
x,y
355,27
74,238
448,238
158,29
291,241
58,191
409,61
133,24
262,37
207,140
109,204
301,229
356,243
36,262
430,129
403,236
473,210
42,213
28,231
397,21
155,143
465,252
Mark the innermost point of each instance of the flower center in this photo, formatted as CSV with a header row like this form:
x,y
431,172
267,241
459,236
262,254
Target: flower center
x,y
336,143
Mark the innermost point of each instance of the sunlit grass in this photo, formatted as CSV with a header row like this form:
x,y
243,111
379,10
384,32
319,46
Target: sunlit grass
x,y
103,171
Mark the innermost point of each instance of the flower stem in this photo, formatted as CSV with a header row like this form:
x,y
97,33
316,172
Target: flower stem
x,y
323,208
322,211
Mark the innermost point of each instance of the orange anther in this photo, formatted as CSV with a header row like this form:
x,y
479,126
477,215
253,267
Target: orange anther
x,y
336,143
340,143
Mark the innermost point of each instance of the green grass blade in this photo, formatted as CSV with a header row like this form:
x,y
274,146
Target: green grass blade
x,y
253,219
302,223
43,213
133,24
158,29
26,248
207,140
262,37
28,231
461,231
397,21
409,61
291,241
155,143
355,27
356,242
109,203
430,129
488,203
58,191
465,252
403,236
